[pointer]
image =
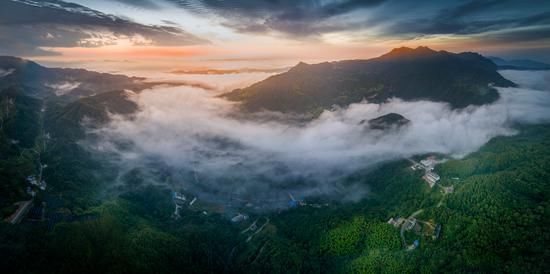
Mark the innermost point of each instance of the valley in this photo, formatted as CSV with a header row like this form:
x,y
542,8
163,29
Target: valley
x,y
262,136
423,212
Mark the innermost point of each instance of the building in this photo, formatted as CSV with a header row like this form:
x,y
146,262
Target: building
x,y
42,185
178,198
396,222
295,203
431,178
410,223
428,163
414,245
32,180
448,189
292,203
239,218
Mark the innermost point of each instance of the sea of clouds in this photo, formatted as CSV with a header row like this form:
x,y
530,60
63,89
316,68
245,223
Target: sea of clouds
x,y
210,151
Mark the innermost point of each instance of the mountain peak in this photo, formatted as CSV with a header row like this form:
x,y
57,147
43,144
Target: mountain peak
x,y
406,51
300,66
16,62
460,79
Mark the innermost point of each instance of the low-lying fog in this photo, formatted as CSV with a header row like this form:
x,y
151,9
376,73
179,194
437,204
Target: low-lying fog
x,y
191,133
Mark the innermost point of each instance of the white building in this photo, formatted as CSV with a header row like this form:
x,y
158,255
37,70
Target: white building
x,y
431,178
428,163
239,218
396,222
410,223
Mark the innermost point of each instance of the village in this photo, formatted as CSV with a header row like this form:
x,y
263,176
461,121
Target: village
x,y
237,205
30,209
240,210
245,213
412,225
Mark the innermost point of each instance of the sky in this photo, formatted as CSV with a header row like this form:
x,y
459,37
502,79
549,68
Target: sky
x,y
226,36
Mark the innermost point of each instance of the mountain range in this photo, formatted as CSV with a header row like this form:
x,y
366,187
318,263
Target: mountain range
x,y
519,64
410,74
64,83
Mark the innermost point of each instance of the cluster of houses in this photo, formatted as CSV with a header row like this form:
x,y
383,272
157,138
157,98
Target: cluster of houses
x,y
407,224
428,166
33,184
419,227
396,222
32,180
23,207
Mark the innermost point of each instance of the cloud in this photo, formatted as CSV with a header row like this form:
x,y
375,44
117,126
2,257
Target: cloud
x,y
63,88
6,72
293,18
539,35
469,8
146,4
180,83
27,27
205,148
390,19
475,17
229,71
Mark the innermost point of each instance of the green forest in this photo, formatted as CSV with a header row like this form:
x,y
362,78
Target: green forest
x,y
495,220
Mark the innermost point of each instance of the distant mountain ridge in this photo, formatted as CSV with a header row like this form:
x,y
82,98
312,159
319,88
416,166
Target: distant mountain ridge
x,y
410,74
41,82
519,64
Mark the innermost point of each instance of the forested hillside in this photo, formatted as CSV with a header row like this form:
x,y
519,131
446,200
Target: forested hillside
x,y
499,204
410,74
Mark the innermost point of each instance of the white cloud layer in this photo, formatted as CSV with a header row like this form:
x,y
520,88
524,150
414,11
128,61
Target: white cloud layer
x,y
194,133
63,88
6,72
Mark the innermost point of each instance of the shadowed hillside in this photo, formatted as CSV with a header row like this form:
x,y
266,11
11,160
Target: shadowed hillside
x,y
410,74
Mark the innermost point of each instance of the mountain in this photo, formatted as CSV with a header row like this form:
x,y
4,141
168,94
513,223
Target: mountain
x,y
388,121
65,121
519,64
61,83
410,74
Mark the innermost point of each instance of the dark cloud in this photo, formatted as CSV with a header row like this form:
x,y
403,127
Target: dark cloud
x,y
400,19
28,26
443,25
479,17
168,22
310,18
469,8
148,4
293,18
527,35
